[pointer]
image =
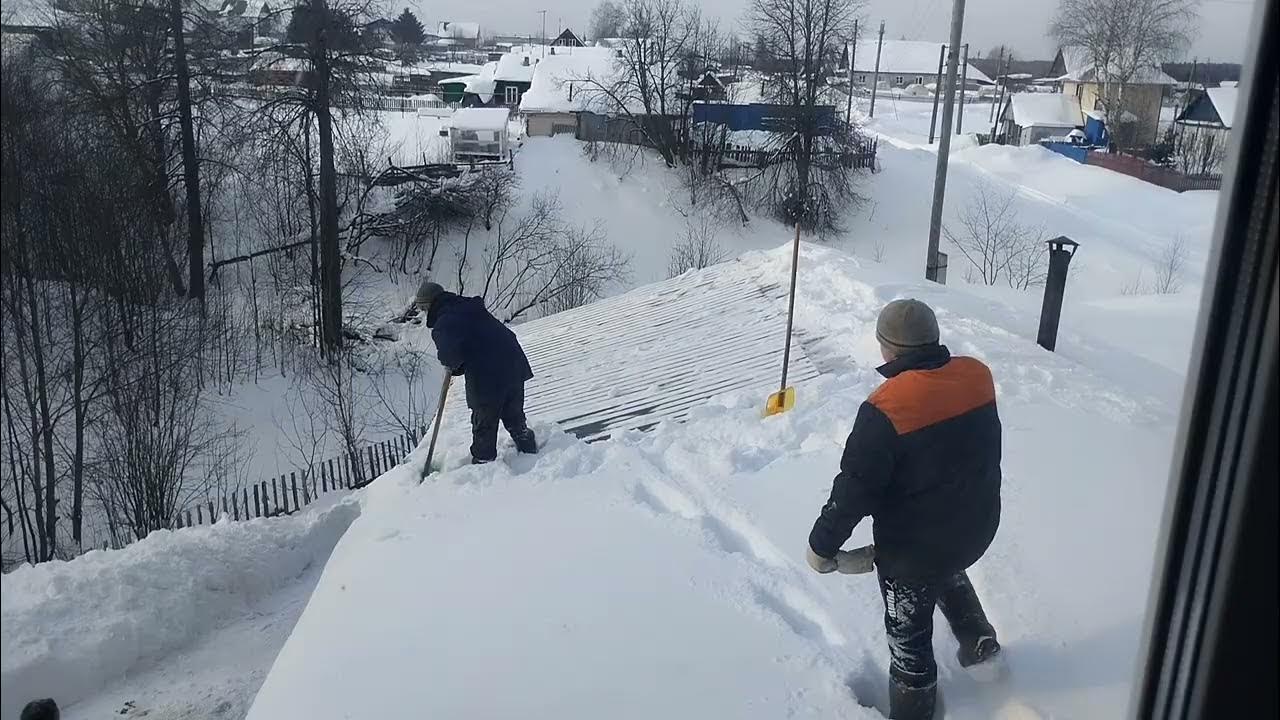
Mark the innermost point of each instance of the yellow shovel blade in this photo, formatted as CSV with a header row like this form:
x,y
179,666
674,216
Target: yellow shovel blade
x,y
780,402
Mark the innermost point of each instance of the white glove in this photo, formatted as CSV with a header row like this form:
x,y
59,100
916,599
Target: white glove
x,y
819,563
856,562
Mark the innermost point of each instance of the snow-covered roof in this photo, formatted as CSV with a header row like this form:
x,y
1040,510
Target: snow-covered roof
x,y
515,66
427,66
1078,66
458,30
1224,101
25,13
571,71
480,119
1044,110
905,57
481,84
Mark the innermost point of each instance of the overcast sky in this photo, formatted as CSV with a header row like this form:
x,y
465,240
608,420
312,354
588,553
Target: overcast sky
x,y
1018,23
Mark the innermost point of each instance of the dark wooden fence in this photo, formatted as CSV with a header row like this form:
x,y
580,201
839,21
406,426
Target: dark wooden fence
x,y
287,494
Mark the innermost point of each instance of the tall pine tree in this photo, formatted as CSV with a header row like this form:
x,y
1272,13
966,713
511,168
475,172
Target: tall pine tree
x,y
406,30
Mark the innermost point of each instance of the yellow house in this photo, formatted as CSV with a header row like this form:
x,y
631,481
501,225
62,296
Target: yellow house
x,y
1142,94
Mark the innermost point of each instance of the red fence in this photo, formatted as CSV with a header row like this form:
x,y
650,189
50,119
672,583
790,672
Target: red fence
x,y
1154,174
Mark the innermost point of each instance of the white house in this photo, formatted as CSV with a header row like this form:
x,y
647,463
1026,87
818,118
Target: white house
x,y
902,63
461,33
1028,118
564,84
479,134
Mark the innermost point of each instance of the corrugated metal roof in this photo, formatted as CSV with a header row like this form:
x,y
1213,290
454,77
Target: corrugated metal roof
x,y
654,354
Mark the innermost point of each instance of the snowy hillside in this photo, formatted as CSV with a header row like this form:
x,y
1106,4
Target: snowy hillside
x,y
662,574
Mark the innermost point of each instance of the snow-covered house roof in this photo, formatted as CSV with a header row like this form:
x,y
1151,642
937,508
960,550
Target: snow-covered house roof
x,y
25,14
1224,101
1215,107
458,30
905,57
1053,110
569,80
480,119
1075,63
515,66
481,84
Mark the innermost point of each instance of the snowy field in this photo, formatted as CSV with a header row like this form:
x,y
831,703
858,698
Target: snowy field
x,y
662,574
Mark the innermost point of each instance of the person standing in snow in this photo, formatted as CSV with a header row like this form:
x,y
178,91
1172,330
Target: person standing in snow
x,y
923,460
472,342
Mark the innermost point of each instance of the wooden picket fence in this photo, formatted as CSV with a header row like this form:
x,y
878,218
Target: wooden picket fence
x,y
287,494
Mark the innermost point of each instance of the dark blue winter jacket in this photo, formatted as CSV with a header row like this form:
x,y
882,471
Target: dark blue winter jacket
x,y
472,342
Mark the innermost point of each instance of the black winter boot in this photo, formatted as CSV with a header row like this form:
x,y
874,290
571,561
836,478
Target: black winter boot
x,y
526,442
911,703
979,651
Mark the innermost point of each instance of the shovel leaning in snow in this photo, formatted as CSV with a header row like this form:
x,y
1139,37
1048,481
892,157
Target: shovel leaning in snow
x,y
785,398
435,430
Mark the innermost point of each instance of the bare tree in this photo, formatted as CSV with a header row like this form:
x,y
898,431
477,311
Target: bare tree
x,y
999,247
535,260
653,46
801,40
1125,39
1170,267
607,19
699,247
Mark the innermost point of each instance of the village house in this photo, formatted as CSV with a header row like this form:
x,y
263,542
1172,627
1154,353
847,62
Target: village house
x,y
564,84
501,82
1142,94
458,34
902,63
1028,118
1210,112
566,38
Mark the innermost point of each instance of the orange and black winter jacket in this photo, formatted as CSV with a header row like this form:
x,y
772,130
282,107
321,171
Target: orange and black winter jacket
x,y
923,460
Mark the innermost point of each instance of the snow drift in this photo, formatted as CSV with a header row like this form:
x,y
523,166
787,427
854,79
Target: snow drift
x,y
69,628
661,574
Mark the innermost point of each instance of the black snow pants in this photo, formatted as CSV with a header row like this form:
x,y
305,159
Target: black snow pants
x,y
485,415
908,623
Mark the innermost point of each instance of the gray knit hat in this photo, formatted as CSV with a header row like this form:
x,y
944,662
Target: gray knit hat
x,y
906,325
427,292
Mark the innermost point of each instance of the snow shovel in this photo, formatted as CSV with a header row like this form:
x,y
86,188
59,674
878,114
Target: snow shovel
x,y
435,431
785,399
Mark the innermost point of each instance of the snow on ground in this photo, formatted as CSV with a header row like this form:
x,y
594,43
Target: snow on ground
x,y
680,546
73,628
662,574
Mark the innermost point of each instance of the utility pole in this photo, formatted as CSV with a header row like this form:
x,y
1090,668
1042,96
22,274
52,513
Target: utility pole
x,y
964,82
853,50
991,116
875,78
944,143
543,13
937,93
1004,86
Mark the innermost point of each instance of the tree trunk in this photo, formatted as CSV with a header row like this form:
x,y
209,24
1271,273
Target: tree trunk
x,y
330,261
190,163
78,406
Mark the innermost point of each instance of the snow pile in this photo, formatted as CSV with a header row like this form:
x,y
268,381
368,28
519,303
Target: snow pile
x,y
662,574
70,628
